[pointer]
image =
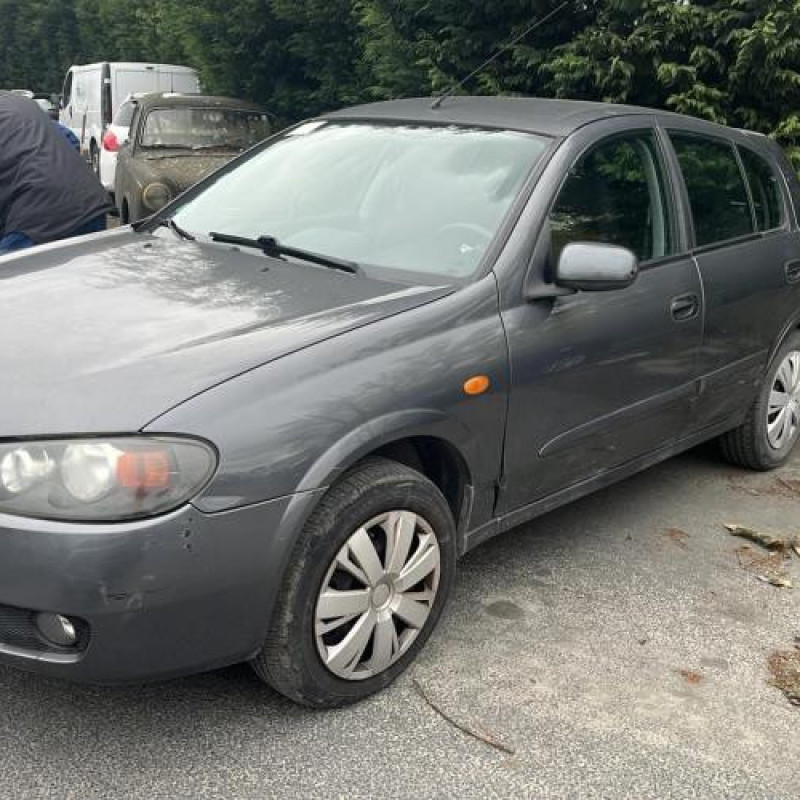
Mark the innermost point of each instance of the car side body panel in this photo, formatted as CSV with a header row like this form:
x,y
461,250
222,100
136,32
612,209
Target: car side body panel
x,y
294,426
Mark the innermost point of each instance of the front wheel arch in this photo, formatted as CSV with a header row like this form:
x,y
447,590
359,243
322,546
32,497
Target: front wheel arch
x,y
429,441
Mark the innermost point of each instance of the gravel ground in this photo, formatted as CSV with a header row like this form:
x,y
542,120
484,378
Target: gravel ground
x,y
617,647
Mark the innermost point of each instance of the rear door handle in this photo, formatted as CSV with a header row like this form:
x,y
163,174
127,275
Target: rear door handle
x,y
792,270
684,307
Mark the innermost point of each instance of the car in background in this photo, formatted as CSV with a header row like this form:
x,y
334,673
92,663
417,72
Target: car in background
x,y
113,139
47,105
93,93
175,140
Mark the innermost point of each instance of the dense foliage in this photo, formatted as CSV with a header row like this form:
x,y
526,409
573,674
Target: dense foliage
x,y
735,61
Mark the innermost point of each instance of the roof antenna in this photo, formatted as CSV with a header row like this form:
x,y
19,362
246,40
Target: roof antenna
x,y
449,93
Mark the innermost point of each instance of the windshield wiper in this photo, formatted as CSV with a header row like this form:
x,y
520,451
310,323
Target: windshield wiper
x,y
270,246
175,228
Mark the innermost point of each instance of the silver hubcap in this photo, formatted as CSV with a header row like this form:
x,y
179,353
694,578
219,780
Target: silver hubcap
x,y
377,595
783,416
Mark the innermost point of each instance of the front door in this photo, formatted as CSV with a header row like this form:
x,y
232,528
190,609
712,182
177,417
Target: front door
x,y
601,378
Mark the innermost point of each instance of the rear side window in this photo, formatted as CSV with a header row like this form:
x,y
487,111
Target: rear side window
x,y
615,194
716,188
764,189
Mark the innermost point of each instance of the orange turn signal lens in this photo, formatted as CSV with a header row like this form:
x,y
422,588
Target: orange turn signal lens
x,y
477,384
144,469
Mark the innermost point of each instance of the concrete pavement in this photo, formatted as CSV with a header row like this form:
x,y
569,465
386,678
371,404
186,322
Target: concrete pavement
x,y
616,646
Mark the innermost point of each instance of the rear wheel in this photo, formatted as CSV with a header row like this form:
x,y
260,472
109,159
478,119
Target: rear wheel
x,y
772,428
367,583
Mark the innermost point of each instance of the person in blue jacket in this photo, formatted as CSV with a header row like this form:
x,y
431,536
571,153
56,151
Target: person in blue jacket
x,y
47,190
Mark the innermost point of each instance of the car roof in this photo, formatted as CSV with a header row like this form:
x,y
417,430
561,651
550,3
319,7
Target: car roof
x,y
181,99
530,114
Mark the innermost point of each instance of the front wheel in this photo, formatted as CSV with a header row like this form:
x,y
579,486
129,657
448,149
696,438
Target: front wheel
x,y
769,433
367,583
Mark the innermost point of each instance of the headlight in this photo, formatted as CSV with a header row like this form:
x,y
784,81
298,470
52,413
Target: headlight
x,y
156,195
96,480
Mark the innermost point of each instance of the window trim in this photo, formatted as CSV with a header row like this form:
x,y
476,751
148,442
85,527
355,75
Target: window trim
x,y
694,247
670,201
781,181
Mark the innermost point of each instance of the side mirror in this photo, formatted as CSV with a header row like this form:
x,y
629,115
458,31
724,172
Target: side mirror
x,y
595,267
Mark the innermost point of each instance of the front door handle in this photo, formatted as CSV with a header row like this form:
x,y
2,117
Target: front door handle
x,y
792,270
684,307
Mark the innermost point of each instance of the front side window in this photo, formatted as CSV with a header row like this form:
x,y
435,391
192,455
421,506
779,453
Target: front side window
x,y
615,194
203,128
411,198
764,189
717,193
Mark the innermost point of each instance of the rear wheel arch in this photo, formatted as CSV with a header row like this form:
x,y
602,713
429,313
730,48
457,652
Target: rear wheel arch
x,y
791,328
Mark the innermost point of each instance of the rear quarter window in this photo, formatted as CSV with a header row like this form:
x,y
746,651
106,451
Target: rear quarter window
x,y
716,188
764,189
124,115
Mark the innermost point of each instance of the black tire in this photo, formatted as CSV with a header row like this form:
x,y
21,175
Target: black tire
x,y
290,661
748,445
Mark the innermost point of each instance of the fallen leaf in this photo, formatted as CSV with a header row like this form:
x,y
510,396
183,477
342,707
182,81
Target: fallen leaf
x,y
768,568
784,665
690,676
677,535
763,539
781,583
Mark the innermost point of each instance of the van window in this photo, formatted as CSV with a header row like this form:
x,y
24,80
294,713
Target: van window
x,y
764,189
717,193
615,194
67,91
79,89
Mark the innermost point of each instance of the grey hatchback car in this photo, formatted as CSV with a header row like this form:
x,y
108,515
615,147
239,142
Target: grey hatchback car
x,y
264,424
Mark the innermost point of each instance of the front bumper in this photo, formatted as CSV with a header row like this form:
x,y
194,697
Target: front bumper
x,y
181,593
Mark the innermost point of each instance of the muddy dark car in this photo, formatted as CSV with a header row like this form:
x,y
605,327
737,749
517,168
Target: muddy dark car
x,y
278,411
176,140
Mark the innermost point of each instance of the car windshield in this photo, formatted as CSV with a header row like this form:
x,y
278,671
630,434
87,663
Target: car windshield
x,y
414,198
199,128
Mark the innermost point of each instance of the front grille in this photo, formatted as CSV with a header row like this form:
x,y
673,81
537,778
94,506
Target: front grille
x,y
18,629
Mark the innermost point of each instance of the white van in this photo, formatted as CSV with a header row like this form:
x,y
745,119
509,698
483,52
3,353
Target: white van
x,y
93,93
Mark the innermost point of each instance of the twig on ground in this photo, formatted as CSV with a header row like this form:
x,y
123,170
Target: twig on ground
x,y
482,736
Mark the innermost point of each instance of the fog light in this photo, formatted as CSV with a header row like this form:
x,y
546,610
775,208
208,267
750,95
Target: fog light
x,y
57,629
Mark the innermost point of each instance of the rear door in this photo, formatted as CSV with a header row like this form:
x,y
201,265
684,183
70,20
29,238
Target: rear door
x,y
178,80
600,379
132,79
747,252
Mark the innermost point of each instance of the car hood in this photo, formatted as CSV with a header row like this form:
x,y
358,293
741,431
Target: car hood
x,y
183,171
105,334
